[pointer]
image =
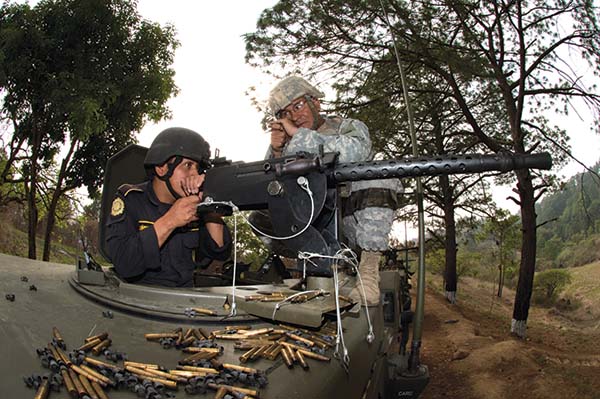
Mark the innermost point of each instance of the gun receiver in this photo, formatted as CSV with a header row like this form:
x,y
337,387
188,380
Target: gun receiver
x,y
272,185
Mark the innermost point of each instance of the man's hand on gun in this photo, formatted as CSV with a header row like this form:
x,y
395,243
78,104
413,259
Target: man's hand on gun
x,y
282,130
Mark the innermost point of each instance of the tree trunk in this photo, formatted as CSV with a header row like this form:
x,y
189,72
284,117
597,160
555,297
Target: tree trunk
x,y
528,252
450,240
58,191
32,211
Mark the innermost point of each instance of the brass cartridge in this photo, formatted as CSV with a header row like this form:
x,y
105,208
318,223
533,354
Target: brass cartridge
x,y
98,376
75,378
96,350
203,333
101,337
301,360
207,312
260,331
246,356
295,337
63,356
165,375
141,365
230,328
286,357
57,336
68,382
259,352
157,336
195,349
88,387
313,355
99,391
199,356
206,370
85,373
221,392
54,353
144,373
100,363
89,345
43,390
247,391
239,368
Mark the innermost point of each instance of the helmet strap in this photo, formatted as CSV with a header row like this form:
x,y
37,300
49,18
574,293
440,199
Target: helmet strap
x,y
317,119
167,176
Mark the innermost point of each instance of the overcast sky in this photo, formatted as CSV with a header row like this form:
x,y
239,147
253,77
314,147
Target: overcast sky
x,y
212,75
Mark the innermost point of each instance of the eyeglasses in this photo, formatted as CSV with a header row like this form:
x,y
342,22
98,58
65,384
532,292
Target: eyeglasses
x,y
291,109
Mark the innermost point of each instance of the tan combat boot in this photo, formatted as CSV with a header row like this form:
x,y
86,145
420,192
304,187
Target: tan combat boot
x,y
369,273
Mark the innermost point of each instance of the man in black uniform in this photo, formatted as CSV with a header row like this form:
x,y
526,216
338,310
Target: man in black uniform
x,y
153,231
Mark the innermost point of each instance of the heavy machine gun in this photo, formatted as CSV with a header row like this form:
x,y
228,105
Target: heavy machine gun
x,y
303,192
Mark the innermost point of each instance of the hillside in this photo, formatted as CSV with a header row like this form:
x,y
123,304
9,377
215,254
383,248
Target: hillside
x,y
472,355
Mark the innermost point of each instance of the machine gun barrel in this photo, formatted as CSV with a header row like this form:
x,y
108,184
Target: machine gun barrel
x,y
441,165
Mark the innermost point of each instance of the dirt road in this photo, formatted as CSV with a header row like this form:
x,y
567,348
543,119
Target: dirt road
x,y
471,354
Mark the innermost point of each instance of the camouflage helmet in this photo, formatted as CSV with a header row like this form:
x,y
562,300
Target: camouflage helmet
x,y
178,141
289,89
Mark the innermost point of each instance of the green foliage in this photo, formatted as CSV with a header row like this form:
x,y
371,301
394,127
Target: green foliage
x,y
549,283
249,248
571,220
87,74
467,263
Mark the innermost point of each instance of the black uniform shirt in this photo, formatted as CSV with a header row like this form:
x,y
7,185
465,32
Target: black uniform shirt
x,y
133,246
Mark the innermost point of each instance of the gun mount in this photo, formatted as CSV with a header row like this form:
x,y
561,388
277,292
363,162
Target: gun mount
x,y
273,185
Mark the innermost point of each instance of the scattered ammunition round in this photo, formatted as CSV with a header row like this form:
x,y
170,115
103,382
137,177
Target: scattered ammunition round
x,y
101,337
96,350
221,392
206,370
247,391
44,390
157,336
99,391
141,365
89,345
201,333
195,349
313,355
87,374
68,382
165,375
301,360
167,383
246,356
78,386
239,368
207,312
286,357
100,363
295,337
88,387
98,376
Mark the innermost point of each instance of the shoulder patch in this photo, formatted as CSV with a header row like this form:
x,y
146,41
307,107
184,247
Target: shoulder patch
x,y
125,189
117,207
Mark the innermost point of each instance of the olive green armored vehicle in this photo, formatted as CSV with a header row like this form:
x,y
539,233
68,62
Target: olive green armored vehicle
x,y
80,331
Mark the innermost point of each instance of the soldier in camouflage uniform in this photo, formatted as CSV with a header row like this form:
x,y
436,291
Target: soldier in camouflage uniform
x,y
368,212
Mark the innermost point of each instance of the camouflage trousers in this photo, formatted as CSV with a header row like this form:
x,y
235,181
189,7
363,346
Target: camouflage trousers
x,y
369,229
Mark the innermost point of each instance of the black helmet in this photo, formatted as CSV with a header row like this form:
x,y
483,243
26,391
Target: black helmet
x,y
181,142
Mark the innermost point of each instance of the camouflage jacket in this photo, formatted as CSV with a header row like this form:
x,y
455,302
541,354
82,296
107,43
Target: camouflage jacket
x,y
349,137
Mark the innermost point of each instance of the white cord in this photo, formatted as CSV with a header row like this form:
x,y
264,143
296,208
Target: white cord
x,y
347,255
289,298
233,304
303,183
